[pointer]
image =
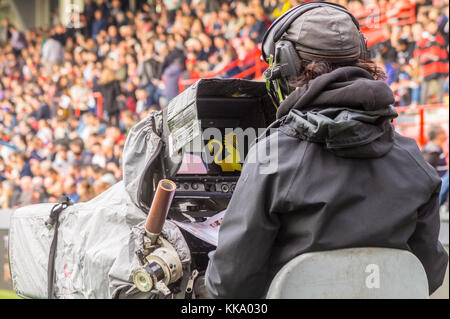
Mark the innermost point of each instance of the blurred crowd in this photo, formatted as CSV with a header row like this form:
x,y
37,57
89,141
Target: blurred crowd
x,y
415,51
52,139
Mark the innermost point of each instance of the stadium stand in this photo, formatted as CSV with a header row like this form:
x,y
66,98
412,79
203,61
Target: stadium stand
x,y
69,94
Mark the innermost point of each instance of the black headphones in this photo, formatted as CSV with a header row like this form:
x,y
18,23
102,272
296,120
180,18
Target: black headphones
x,y
283,59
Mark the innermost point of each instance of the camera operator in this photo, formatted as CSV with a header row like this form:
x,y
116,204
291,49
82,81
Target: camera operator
x,y
344,178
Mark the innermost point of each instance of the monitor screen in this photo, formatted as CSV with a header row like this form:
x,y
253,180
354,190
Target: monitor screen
x,y
219,154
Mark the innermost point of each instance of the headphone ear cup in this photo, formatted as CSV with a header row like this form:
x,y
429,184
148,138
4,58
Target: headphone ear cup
x,y
295,59
287,56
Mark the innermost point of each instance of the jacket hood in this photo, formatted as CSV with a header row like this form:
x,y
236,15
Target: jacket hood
x,y
346,110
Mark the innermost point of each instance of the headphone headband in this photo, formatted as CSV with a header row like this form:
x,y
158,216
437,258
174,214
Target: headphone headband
x,y
280,26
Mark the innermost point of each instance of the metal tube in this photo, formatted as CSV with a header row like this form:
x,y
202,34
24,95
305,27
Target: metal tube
x,y
160,206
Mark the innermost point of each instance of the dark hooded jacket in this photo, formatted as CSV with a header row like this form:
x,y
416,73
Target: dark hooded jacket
x,y
339,177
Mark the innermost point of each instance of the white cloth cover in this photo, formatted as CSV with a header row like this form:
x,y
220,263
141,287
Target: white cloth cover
x,y
97,240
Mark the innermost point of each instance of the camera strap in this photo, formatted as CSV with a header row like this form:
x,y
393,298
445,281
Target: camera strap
x,y
53,222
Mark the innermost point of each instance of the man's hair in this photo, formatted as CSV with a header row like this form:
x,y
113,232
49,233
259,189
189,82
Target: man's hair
x,y
434,131
21,156
309,70
76,165
64,147
97,168
78,142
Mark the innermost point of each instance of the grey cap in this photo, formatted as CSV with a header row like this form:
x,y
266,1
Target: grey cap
x,y
326,34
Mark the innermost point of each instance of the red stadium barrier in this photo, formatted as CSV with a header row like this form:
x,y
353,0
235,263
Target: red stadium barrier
x,y
373,19
422,123
253,58
99,97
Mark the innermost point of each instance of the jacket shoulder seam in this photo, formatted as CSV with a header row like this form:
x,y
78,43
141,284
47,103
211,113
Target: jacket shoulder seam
x,y
414,159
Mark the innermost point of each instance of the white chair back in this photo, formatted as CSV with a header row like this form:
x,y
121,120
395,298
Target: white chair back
x,y
353,273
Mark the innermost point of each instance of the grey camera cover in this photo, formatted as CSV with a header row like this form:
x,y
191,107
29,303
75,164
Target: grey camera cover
x,y
95,255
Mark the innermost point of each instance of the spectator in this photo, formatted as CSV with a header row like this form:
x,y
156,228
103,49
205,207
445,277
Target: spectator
x,y
147,71
35,149
433,61
255,29
61,161
90,6
79,94
170,55
110,89
9,197
128,120
2,171
85,191
38,194
52,52
43,112
22,165
18,41
77,152
172,6
171,76
142,100
101,186
433,152
99,23
26,191
5,33
69,189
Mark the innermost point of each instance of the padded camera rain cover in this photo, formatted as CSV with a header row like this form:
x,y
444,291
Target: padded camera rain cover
x,y
95,255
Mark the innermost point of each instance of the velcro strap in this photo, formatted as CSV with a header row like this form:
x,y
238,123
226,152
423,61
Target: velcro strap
x,y
53,221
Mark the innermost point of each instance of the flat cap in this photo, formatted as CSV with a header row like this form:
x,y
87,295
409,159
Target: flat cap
x,y
325,34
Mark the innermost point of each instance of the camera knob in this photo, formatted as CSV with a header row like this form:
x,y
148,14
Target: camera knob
x,y
225,188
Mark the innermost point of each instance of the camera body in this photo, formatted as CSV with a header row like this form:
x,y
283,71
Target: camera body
x,y
220,120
